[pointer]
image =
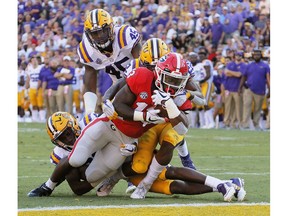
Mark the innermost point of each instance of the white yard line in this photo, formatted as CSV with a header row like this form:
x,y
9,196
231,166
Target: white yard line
x,y
143,206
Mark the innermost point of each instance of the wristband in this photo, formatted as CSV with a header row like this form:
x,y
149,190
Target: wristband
x,y
138,116
172,109
90,100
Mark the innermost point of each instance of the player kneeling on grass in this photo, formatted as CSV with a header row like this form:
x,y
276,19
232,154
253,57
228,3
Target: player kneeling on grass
x,y
172,180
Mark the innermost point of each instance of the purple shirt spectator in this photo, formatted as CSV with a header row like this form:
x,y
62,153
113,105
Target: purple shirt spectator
x,y
163,19
44,72
52,82
36,6
144,14
232,83
67,81
256,77
234,20
216,30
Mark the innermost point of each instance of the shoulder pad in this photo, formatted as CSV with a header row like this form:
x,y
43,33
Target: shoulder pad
x,y
84,51
127,36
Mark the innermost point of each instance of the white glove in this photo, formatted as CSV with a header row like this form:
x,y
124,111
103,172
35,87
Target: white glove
x,y
109,110
128,149
159,98
152,117
149,116
166,101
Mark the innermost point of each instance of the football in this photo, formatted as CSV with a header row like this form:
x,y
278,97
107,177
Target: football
x,y
163,112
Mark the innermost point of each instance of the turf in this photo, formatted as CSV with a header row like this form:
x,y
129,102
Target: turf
x,y
220,153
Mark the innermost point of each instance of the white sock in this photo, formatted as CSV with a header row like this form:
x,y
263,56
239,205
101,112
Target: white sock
x,y
182,149
42,115
201,118
50,184
35,114
212,182
154,170
206,118
193,119
210,116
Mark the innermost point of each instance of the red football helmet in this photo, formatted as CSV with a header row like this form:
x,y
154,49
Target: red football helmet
x,y
171,73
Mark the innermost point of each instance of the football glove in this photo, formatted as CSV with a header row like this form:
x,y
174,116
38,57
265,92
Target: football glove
x,y
159,98
43,190
128,149
109,110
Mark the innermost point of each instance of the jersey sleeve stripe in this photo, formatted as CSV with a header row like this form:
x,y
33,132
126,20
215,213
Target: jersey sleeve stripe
x,y
83,52
55,158
136,63
122,36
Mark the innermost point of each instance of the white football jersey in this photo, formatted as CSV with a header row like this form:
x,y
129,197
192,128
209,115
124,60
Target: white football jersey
x,y
199,71
78,79
21,73
125,39
33,73
208,63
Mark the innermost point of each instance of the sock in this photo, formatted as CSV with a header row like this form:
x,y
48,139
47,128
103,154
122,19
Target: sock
x,y
153,172
212,182
182,149
35,115
50,184
201,118
42,115
210,116
193,119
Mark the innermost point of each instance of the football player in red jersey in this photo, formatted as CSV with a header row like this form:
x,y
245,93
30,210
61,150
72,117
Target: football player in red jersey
x,y
152,50
171,76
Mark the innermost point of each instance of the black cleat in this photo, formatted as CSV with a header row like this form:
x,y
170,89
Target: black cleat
x,y
43,190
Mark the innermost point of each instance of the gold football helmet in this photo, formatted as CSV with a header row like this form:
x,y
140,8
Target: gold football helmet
x,y
63,130
152,50
99,28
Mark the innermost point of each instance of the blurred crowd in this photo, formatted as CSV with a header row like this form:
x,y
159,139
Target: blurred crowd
x,y
50,31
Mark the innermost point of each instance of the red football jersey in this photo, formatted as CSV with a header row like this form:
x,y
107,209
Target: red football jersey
x,y
140,82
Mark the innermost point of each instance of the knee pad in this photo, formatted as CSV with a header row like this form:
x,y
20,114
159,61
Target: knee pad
x,y
140,166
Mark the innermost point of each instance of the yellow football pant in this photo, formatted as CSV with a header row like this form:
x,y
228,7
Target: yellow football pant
x,y
148,142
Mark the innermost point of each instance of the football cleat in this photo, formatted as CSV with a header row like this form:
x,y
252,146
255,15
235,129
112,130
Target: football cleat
x,y
106,187
227,189
239,187
43,190
187,162
140,192
131,188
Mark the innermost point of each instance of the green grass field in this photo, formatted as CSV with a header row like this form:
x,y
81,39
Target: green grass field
x,y
219,153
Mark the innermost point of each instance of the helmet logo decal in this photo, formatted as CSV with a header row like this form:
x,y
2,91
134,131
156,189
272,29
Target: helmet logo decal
x,y
113,127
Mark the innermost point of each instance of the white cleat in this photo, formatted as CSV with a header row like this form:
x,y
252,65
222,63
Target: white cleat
x,y
227,189
130,189
238,184
106,187
139,192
